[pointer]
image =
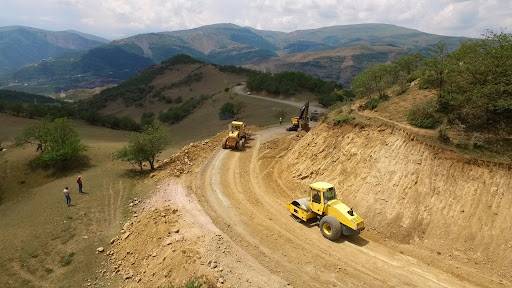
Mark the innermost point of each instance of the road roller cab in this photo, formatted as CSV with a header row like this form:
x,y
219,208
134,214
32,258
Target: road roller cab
x,y
333,216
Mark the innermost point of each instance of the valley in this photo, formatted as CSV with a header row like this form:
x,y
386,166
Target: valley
x,y
360,155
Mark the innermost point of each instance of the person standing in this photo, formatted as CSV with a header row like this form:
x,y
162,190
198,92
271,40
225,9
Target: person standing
x,y
67,196
280,120
80,184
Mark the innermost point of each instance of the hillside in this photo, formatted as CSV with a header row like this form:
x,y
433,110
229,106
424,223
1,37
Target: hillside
x,y
97,67
321,52
20,46
21,97
181,87
339,65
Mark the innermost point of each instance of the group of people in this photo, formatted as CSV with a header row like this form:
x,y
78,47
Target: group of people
x,y
67,195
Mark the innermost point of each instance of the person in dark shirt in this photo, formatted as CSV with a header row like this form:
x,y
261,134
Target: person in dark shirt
x,y
80,184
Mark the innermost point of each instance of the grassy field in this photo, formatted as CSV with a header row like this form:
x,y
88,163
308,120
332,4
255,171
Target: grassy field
x,y
43,242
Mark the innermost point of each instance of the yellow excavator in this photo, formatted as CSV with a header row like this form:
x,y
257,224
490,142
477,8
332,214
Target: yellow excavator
x,y
332,215
237,136
302,121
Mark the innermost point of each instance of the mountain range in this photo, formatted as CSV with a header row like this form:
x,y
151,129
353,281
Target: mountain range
x,y
333,53
20,46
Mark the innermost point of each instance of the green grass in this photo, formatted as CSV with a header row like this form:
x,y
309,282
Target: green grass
x,y
342,119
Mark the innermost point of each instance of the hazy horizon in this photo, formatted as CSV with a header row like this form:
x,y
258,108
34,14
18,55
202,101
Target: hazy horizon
x,y
114,19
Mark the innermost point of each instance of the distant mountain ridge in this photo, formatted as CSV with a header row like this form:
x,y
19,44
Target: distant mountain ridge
x,y
333,53
20,45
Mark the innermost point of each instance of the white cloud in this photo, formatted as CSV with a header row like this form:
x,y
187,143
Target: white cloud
x,y
117,18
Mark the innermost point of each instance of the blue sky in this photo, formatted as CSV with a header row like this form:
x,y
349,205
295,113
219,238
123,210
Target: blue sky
x,y
119,18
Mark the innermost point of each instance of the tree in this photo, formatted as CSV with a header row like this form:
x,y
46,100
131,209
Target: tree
x,y
435,68
144,147
477,90
229,110
374,80
147,118
57,141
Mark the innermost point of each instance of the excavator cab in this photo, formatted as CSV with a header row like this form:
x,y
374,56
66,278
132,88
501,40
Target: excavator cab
x,y
334,217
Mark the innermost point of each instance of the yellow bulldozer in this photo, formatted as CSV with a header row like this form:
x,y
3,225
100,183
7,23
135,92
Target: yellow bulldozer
x,y
334,217
237,136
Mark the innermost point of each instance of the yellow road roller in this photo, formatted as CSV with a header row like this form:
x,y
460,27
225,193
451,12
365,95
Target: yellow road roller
x,y
334,217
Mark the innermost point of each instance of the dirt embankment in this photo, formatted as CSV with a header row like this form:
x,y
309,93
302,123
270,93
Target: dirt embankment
x,y
414,195
169,239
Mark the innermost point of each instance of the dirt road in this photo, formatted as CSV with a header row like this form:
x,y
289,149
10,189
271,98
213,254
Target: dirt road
x,y
244,196
240,90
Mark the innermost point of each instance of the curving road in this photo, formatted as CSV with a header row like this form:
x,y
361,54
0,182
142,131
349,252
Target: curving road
x,y
241,91
244,194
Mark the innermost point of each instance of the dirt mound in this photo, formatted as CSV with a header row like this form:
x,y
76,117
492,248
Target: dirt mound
x,y
189,156
415,195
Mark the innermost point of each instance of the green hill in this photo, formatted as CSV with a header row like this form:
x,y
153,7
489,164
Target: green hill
x,y
96,67
20,46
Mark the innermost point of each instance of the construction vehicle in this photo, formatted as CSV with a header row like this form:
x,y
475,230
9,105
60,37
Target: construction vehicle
x,y
332,215
301,121
237,136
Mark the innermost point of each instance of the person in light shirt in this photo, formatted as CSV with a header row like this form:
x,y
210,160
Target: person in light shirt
x,y
67,196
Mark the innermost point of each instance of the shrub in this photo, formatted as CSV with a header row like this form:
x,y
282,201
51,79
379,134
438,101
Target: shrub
x,y
424,115
57,140
144,147
371,104
342,119
177,113
147,118
227,111
443,135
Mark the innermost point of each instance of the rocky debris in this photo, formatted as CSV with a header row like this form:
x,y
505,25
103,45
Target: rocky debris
x,y
127,275
183,161
100,250
125,235
134,202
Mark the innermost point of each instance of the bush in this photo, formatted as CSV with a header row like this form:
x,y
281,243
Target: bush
x,y
147,118
443,135
373,102
177,113
424,115
342,119
228,111
144,147
57,140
